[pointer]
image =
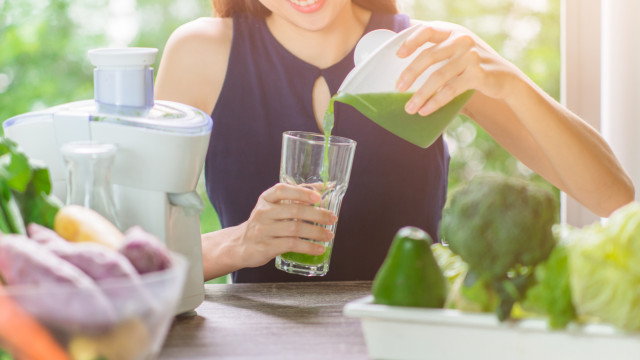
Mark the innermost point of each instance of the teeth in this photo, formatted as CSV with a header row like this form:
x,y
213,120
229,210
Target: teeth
x,y
304,2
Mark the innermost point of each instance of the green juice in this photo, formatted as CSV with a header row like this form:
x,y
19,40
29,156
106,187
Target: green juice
x,y
308,259
327,127
387,110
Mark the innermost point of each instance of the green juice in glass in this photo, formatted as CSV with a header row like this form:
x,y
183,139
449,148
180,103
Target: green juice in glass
x,y
386,110
326,187
329,201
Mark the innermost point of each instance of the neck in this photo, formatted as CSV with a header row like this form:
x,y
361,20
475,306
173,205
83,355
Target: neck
x,y
325,46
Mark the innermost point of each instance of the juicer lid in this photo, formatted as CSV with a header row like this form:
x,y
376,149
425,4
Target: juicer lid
x,y
377,67
123,57
166,116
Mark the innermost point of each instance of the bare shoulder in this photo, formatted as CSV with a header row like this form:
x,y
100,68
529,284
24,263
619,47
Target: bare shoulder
x,y
206,30
194,63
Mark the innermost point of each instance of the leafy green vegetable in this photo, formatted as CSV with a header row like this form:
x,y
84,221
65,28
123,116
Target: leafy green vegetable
x,y
36,202
501,227
551,295
604,268
12,213
476,294
474,297
25,191
452,265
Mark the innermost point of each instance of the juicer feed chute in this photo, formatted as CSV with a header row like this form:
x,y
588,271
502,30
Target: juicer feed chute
x,y
161,151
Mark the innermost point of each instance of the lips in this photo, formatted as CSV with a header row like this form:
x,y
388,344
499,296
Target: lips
x,y
306,6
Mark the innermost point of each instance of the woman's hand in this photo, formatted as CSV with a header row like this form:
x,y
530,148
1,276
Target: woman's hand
x,y
469,63
282,216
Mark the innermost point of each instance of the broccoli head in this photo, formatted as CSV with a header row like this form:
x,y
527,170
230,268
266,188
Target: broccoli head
x,y
501,227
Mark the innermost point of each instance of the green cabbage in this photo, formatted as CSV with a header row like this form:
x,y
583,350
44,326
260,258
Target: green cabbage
x,y
604,268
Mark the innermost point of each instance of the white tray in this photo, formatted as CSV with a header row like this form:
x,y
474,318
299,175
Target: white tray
x,y
393,332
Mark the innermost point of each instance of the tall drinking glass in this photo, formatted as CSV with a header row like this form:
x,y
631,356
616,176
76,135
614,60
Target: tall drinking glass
x,y
303,163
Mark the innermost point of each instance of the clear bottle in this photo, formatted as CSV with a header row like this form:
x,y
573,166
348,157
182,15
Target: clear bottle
x,y
88,176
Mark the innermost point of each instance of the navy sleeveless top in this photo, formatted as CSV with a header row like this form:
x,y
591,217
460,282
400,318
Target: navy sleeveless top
x,y
268,90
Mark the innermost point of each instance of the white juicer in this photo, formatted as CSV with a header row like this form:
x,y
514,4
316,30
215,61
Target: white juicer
x,y
161,149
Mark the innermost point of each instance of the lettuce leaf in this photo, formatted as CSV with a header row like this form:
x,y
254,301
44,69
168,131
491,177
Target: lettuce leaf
x,y
604,269
551,294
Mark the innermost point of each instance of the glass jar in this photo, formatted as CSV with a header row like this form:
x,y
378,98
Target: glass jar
x,y
88,176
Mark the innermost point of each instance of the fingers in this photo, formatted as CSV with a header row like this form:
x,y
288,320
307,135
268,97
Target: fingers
x,y
303,212
285,202
431,33
300,229
285,192
443,96
444,84
454,58
287,211
436,55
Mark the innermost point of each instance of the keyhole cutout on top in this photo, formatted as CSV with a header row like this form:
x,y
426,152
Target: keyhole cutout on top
x,y
320,98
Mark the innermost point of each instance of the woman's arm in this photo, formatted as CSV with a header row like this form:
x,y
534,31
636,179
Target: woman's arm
x,y
556,144
526,121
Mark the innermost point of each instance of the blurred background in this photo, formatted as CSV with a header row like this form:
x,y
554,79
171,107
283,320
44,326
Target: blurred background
x,y
43,60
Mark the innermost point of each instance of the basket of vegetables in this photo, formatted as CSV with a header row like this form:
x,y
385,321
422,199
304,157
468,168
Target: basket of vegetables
x,y
507,282
72,285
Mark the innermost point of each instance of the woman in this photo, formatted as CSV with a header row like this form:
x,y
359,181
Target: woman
x,y
264,67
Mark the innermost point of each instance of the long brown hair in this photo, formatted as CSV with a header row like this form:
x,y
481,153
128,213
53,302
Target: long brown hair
x,y
228,8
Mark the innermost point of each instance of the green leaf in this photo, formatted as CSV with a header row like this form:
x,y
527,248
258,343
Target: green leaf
x,y
551,295
13,216
4,225
7,145
41,180
6,218
38,208
15,170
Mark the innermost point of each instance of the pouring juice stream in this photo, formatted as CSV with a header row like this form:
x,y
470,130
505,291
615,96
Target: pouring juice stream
x,y
386,110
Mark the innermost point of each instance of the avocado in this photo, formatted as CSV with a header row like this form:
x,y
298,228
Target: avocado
x,y
409,275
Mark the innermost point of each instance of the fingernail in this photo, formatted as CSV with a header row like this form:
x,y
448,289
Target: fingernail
x,y
411,107
402,51
329,235
401,86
